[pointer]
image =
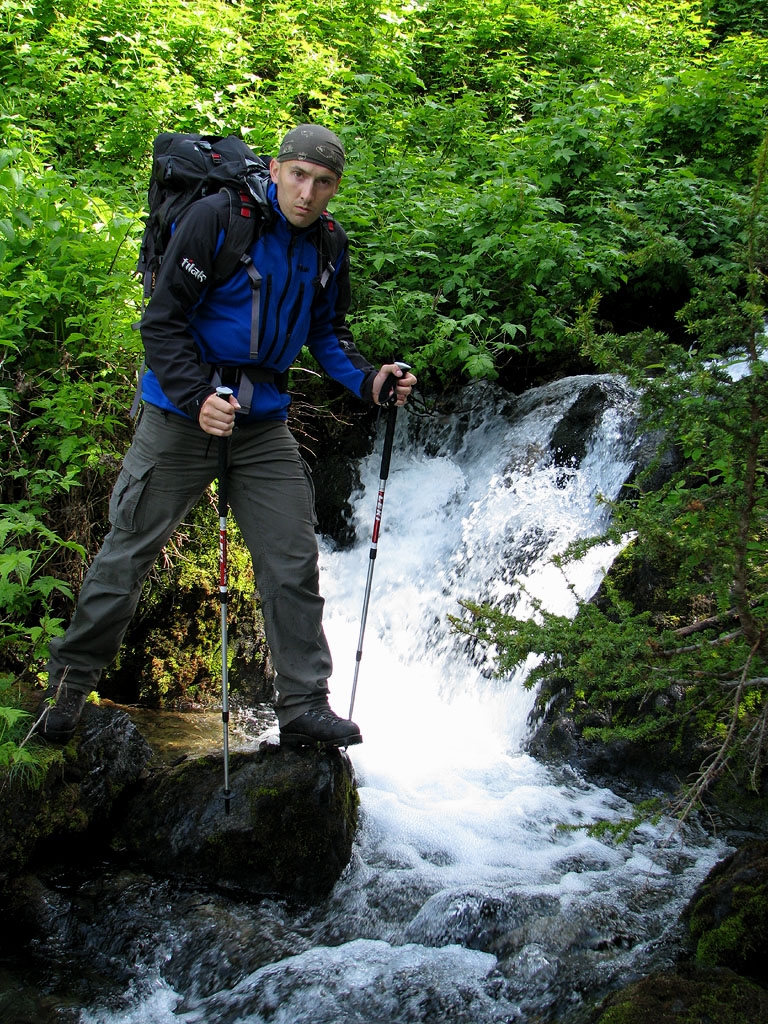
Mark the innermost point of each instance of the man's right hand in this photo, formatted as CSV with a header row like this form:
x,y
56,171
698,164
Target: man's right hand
x,y
217,415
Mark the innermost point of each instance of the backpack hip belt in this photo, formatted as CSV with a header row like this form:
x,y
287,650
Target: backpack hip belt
x,y
243,378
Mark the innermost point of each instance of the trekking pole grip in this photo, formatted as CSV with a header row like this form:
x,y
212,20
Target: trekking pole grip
x,y
388,393
388,399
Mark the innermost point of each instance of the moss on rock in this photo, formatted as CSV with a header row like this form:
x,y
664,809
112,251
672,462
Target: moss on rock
x,y
691,995
289,826
728,917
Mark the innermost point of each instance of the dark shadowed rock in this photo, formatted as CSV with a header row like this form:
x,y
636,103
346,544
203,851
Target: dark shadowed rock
x,y
728,915
78,792
112,755
691,994
569,438
291,821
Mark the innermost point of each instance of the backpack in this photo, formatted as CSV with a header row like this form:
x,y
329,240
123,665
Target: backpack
x,y
187,167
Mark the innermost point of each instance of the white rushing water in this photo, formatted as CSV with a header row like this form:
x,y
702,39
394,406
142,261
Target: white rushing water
x,y
466,900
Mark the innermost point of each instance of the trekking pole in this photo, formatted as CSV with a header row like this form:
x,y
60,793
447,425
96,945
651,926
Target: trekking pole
x,y
224,596
390,400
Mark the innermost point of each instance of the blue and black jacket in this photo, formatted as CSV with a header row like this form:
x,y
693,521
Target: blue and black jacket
x,y
193,323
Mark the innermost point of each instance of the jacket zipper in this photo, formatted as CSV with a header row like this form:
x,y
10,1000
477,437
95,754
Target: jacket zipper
x,y
278,312
294,316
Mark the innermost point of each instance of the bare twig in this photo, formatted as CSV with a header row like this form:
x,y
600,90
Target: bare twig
x,y
722,755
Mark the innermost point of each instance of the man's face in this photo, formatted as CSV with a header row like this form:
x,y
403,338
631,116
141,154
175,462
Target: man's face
x,y
304,190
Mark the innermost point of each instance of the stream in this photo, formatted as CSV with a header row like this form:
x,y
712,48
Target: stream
x,y
475,895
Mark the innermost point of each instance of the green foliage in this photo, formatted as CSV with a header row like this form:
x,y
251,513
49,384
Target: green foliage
x,y
11,753
62,399
620,830
20,760
492,148
733,17
713,112
515,170
675,649
64,313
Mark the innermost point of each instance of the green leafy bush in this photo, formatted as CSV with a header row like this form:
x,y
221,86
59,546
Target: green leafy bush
x,y
519,175
675,648
63,390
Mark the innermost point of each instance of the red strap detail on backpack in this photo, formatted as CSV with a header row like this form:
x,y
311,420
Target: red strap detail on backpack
x,y
246,207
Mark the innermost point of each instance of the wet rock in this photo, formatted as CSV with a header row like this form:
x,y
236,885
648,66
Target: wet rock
x,y
288,829
692,993
94,933
631,770
112,754
78,793
477,920
571,435
724,979
728,915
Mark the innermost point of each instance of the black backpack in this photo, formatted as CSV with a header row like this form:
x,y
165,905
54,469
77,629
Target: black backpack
x,y
187,167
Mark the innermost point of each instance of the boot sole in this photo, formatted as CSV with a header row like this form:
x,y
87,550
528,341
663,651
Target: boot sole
x,y
301,740
59,737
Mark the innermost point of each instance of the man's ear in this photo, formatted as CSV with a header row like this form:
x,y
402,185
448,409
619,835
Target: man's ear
x,y
274,166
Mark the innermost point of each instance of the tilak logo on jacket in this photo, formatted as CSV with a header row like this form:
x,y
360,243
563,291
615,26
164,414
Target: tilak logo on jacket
x,y
196,272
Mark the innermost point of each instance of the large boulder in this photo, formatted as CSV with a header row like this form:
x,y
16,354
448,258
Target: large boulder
x,y
287,827
728,915
78,792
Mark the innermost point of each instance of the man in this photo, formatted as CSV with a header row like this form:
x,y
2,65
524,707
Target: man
x,y
196,336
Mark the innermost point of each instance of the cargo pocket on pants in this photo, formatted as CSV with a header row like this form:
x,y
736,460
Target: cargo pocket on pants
x,y
127,493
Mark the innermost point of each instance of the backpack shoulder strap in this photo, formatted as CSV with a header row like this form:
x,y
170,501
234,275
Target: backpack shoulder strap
x,y
246,219
332,241
243,224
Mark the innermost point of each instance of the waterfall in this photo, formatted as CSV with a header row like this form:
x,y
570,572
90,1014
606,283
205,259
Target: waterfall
x,y
473,896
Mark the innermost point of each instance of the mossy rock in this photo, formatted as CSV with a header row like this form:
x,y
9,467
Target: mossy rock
x,y
728,916
286,829
691,995
82,784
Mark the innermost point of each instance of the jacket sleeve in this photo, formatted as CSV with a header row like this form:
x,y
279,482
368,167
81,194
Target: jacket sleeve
x,y
331,341
184,276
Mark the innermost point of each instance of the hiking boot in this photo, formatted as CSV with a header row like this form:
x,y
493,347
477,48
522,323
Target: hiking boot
x,y
59,712
320,727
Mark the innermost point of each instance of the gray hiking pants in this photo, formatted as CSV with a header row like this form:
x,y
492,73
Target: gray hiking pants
x,y
166,470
